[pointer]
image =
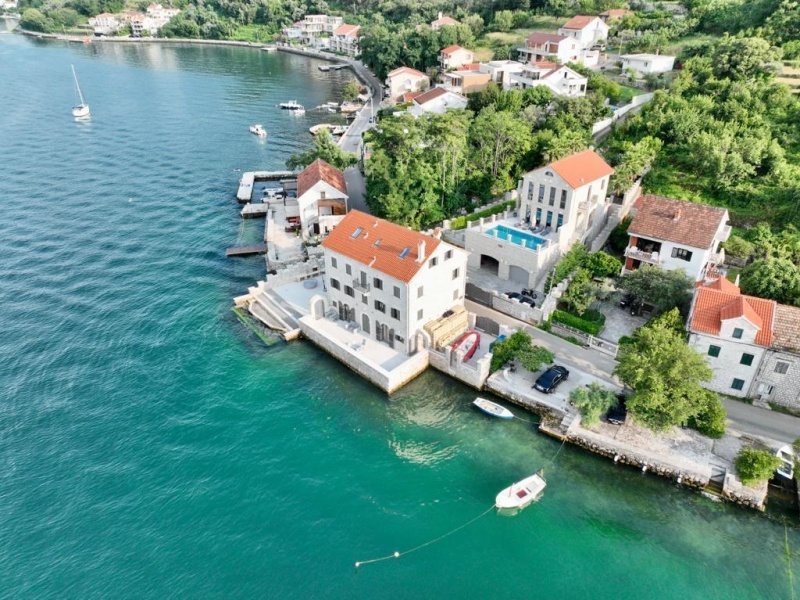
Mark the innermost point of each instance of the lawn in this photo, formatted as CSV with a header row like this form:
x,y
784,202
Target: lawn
x,y
252,33
676,47
628,93
483,54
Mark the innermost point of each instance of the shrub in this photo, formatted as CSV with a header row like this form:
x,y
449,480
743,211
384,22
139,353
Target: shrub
x,y
754,465
626,340
533,357
618,238
559,316
461,222
602,264
739,247
710,418
592,401
569,262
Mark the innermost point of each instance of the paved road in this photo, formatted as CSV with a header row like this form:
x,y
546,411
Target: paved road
x,y
742,417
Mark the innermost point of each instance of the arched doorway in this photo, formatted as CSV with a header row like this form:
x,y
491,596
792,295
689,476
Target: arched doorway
x,y
365,323
489,263
518,275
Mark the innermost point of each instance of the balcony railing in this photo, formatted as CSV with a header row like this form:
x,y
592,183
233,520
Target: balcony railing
x,y
725,234
717,258
364,288
648,257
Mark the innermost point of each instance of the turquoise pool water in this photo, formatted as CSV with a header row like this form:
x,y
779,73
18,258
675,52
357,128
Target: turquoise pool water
x,y
515,236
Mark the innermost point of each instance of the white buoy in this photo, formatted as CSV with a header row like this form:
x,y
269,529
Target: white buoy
x,y
397,555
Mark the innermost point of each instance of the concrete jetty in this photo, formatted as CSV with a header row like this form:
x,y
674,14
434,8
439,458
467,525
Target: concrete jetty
x,y
253,250
245,193
251,211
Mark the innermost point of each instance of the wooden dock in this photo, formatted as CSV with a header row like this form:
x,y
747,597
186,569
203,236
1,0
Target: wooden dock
x,y
252,211
247,250
245,193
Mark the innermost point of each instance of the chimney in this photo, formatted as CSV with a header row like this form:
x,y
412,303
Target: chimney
x,y
421,251
677,215
372,262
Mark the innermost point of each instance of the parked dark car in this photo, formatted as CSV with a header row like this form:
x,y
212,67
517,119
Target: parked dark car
x,y
627,300
513,295
527,300
549,380
619,413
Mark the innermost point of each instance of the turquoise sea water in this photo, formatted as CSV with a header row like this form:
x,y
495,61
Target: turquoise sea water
x,y
151,447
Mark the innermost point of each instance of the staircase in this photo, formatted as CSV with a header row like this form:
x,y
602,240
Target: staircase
x,y
717,482
273,312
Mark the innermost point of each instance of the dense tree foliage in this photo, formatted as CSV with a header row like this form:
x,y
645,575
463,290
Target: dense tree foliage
x,y
326,149
665,290
776,272
592,401
665,375
518,347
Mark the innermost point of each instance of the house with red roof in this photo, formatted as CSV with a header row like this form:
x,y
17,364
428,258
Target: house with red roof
x,y
389,281
586,30
437,101
403,80
543,46
321,198
676,234
560,79
752,344
443,21
345,39
454,57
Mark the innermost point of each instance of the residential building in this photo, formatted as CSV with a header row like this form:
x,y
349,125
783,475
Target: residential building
x,y
587,30
454,57
647,64
159,13
321,198
313,30
778,378
615,14
561,80
389,280
437,101
675,234
105,24
465,80
345,39
543,46
405,79
500,71
442,21
734,331
561,203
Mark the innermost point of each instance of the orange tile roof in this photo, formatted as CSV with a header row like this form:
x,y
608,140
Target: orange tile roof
x,y
677,221
721,284
538,38
787,327
711,307
347,30
430,95
578,22
581,168
406,70
391,240
409,96
318,171
444,21
545,65
452,49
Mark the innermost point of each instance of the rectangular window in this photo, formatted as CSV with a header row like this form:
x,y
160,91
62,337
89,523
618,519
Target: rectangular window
x,y
335,284
781,368
549,220
682,254
541,193
602,181
738,333
563,203
420,291
455,294
348,270
395,314
419,314
530,191
538,215
378,283
552,200
455,273
448,255
349,291
747,359
714,351
433,262
396,292
333,262
559,221
380,306
364,300
738,384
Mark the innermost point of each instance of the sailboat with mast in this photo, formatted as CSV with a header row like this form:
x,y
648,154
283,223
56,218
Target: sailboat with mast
x,y
81,111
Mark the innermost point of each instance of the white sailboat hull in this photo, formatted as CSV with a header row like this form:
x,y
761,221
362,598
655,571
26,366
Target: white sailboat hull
x,y
80,112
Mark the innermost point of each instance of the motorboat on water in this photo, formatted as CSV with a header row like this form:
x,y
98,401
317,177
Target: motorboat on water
x,y
258,129
81,111
493,409
293,106
522,493
467,344
786,468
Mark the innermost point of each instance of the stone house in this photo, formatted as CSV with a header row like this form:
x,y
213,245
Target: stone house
x,y
390,280
321,198
454,57
675,234
403,80
105,24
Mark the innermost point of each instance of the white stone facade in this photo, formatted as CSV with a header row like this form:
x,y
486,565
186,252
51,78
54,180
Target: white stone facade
x,y
734,362
778,379
587,35
403,80
646,64
562,81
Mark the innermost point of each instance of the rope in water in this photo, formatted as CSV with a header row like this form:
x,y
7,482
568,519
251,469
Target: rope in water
x,y
527,421
360,563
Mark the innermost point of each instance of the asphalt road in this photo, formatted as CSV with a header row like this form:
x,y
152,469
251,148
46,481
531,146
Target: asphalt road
x,y
744,418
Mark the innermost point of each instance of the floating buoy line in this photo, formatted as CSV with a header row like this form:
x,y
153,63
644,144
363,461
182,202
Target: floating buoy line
x,y
398,554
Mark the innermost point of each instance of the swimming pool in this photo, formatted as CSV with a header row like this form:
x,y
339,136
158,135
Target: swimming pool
x,y
516,236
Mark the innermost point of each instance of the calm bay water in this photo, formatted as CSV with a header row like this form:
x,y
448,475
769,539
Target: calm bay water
x,y
150,447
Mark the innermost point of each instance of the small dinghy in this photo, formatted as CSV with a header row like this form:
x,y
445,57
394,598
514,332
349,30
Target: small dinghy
x,y
468,344
493,409
522,493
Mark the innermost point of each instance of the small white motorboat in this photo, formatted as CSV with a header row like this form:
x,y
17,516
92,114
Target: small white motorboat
x,y
522,493
493,409
258,129
293,106
786,469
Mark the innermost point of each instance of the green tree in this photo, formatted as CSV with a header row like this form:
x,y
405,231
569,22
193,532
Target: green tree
x,y
503,20
581,292
518,346
33,20
774,278
618,238
533,357
665,375
637,157
601,264
500,140
710,417
753,466
665,290
351,90
739,247
592,401
326,149
744,58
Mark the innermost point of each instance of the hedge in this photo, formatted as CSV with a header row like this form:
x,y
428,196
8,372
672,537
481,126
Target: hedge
x,y
461,222
559,316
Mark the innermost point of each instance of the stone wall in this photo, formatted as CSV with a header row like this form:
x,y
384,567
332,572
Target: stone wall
x,y
296,272
515,308
474,375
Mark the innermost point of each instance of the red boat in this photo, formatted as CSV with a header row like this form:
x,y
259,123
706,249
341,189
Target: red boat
x,y
467,343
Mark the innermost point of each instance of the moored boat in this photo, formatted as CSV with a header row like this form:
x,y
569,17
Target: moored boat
x,y
493,409
293,106
786,468
522,493
468,344
81,111
258,129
